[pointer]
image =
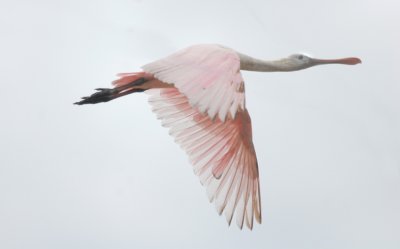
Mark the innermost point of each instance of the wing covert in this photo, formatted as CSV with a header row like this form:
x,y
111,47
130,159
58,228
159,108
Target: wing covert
x,y
209,75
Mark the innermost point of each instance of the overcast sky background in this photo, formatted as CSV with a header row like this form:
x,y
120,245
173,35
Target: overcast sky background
x,y
109,176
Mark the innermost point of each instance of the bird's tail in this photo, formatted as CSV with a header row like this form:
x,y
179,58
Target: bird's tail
x,y
126,78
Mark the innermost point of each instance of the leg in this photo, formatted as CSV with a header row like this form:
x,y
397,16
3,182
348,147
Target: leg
x,y
107,94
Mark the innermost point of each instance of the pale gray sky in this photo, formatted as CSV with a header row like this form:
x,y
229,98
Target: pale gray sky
x,y
109,176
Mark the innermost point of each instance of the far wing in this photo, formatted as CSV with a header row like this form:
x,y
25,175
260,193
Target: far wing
x,y
222,153
209,75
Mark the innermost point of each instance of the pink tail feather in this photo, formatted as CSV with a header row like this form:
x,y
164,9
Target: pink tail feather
x,y
126,78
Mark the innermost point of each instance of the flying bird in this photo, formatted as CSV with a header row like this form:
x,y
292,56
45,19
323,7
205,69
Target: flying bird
x,y
199,94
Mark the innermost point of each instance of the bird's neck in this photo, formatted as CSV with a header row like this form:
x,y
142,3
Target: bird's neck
x,y
252,64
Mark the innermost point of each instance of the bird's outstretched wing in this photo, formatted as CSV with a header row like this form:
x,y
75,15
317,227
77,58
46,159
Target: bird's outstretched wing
x,y
209,75
222,153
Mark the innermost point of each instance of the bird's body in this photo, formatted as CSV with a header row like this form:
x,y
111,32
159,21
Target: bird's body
x,y
199,94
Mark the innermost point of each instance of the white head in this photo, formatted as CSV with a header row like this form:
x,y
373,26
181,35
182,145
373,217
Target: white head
x,y
292,63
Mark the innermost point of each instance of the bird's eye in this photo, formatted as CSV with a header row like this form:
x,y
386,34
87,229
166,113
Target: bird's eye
x,y
300,57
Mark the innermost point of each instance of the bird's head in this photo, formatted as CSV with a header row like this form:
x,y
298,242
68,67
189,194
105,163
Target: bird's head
x,y
301,61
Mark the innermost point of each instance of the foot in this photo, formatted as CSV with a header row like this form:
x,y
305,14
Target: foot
x,y
102,95
107,94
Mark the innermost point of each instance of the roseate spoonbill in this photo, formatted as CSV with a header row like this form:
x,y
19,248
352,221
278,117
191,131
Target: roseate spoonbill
x,y
198,93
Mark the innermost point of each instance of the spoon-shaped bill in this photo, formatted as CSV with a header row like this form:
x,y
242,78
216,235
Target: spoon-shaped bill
x,y
346,61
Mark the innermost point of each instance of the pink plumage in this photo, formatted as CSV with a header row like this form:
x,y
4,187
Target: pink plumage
x,y
205,111
209,75
222,153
